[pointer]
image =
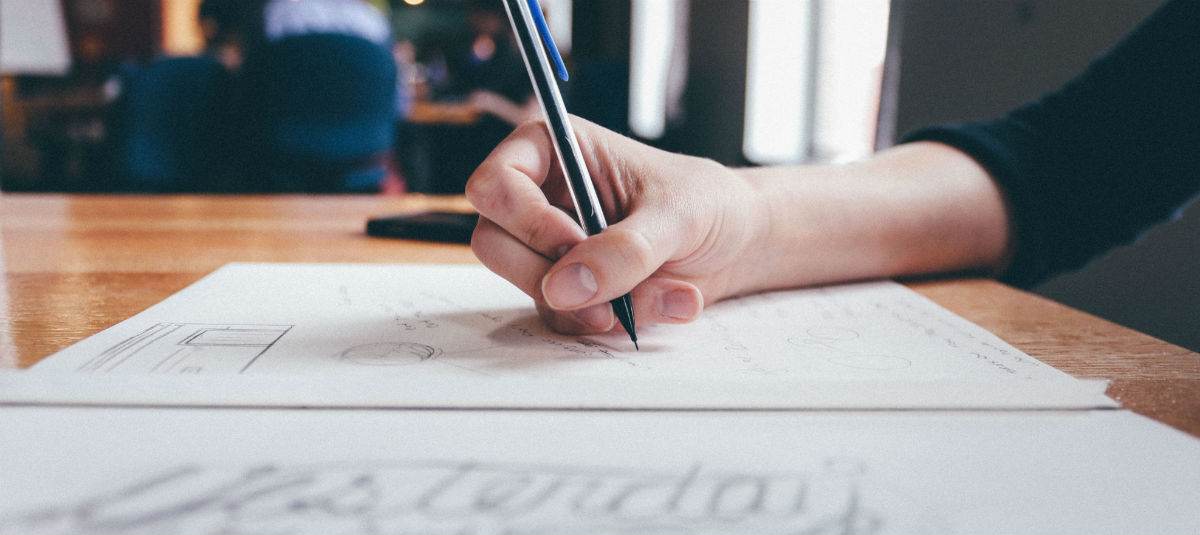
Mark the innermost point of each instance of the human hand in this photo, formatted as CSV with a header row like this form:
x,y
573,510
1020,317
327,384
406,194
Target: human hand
x,y
682,229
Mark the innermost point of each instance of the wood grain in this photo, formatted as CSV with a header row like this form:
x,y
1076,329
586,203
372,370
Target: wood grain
x,y
74,265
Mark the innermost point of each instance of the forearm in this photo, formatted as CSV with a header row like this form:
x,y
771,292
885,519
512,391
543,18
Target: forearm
x,y
1095,163
914,209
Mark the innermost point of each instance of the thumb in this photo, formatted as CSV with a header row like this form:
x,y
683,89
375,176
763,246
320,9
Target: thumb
x,y
609,264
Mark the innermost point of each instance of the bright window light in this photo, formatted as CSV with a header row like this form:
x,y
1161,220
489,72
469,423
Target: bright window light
x,y
651,42
558,18
852,41
778,74
813,77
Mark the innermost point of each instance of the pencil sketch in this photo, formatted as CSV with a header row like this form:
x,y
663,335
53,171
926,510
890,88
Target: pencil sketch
x,y
183,348
445,322
434,496
837,344
389,354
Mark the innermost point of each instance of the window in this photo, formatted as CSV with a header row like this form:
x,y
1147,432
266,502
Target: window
x,y
813,95
813,75
651,47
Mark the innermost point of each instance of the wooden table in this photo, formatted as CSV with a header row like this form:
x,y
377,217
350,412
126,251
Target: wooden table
x,y
74,265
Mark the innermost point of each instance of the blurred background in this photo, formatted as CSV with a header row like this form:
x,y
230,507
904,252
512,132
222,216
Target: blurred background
x,y
385,97
235,95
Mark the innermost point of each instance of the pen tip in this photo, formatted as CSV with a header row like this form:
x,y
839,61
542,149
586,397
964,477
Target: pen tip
x,y
635,346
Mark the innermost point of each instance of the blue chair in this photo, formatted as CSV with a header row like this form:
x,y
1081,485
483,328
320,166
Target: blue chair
x,y
173,126
322,109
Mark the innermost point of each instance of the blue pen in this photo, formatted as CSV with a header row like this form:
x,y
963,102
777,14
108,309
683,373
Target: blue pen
x,y
540,20
523,15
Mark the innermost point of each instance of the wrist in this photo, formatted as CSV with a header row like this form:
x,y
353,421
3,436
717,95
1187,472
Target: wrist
x,y
915,209
791,237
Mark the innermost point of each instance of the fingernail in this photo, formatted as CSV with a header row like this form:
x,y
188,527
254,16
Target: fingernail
x,y
678,304
598,316
570,286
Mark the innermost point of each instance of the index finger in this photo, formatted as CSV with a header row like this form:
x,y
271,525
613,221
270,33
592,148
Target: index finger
x,y
511,189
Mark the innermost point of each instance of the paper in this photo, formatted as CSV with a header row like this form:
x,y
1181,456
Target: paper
x,y
22,388
130,471
438,331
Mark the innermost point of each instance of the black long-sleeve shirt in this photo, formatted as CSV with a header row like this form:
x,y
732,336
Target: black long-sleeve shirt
x,y
1092,165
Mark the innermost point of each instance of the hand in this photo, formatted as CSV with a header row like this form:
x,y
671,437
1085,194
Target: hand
x,y
680,229
685,232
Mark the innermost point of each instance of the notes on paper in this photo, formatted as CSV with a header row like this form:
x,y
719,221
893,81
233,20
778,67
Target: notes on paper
x,y
145,470
444,329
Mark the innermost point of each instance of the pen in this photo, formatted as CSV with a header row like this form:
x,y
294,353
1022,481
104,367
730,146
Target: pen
x,y
579,181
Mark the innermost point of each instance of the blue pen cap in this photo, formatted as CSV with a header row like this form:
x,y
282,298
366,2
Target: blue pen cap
x,y
544,29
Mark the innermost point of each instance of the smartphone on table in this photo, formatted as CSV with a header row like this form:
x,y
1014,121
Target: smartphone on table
x,y
449,227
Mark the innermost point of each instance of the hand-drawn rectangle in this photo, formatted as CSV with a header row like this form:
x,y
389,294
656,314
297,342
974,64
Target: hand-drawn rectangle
x,y
235,336
188,348
463,329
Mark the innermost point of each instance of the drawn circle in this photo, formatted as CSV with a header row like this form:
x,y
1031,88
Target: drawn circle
x,y
871,362
389,354
823,336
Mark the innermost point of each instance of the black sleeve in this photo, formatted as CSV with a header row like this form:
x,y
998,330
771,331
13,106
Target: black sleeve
x,y
1095,163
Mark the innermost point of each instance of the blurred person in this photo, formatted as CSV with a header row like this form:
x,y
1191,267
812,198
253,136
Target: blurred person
x,y
320,85
284,18
480,74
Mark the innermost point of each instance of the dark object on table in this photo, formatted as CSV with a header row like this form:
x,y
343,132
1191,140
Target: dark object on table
x,y
450,227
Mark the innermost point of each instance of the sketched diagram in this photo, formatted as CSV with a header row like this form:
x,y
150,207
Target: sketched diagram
x,y
188,348
840,347
389,354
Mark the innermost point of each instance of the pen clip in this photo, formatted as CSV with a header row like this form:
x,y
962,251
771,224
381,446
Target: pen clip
x,y
542,28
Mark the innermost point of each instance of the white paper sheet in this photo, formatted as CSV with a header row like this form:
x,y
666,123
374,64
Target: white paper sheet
x,y
19,388
130,471
428,333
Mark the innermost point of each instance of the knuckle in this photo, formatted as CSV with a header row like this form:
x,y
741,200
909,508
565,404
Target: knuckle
x,y
528,128
482,189
635,253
